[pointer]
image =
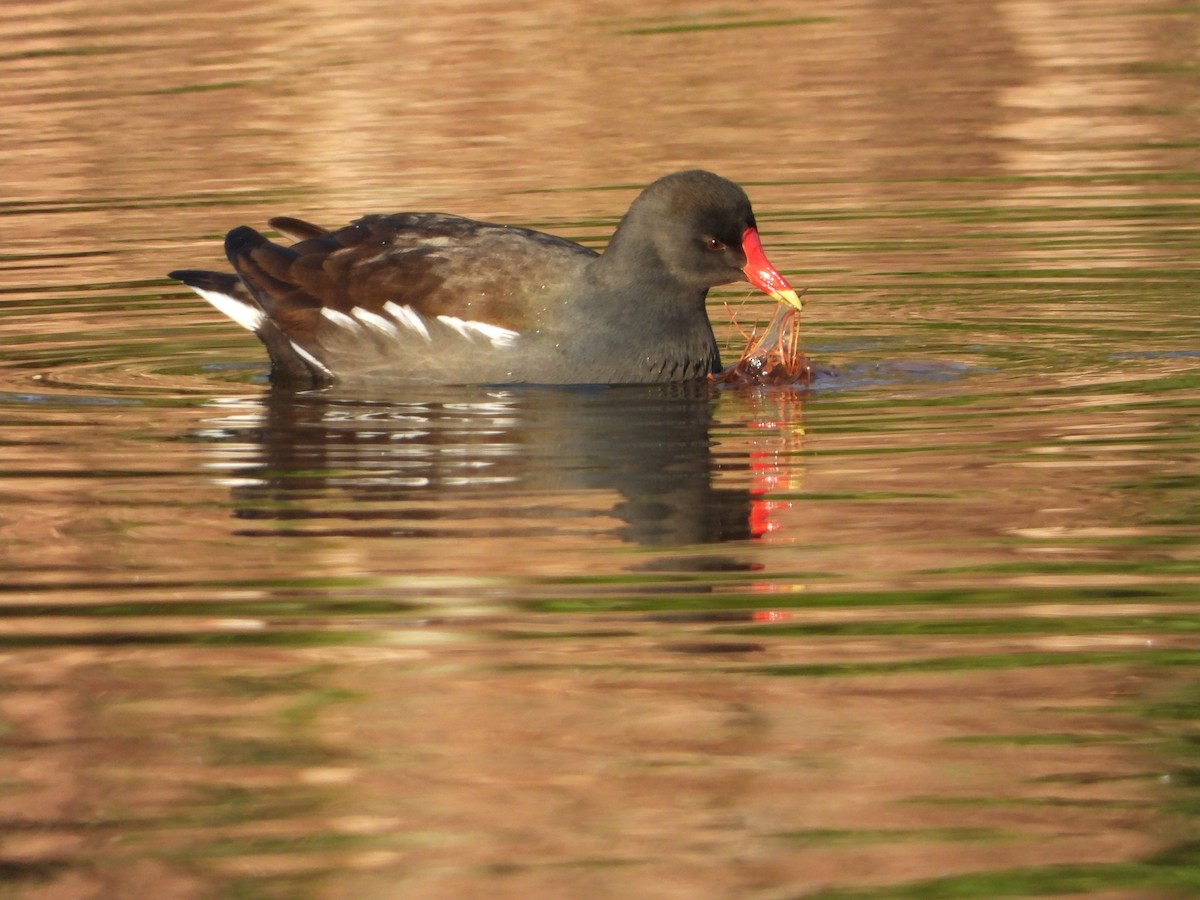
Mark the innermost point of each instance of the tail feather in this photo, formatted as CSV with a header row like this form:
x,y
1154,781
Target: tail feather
x,y
255,258
228,294
271,274
297,229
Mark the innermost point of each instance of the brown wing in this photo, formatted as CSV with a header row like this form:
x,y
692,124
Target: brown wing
x,y
435,264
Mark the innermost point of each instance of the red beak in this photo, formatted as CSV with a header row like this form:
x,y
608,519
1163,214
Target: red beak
x,y
762,274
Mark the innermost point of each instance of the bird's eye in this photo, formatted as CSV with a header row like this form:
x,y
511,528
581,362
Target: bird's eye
x,y
713,243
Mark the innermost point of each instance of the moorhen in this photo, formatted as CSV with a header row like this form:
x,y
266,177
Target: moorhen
x,y
430,297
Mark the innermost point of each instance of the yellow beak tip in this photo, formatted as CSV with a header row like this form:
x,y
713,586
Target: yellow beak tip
x,y
788,296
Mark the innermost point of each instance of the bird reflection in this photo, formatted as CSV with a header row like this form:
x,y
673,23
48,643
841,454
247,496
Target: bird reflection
x,y
632,461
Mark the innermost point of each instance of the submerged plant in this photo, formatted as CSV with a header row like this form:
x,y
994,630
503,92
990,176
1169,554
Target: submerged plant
x,y
775,358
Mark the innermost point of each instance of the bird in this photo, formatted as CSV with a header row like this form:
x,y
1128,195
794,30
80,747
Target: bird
x,y
434,298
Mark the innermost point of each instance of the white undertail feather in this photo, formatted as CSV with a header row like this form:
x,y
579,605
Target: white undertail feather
x,y
310,359
249,317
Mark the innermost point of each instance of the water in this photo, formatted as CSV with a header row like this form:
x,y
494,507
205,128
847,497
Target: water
x,y
927,629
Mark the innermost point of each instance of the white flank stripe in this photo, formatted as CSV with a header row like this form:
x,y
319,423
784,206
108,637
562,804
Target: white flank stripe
x,y
249,317
499,337
378,322
339,318
407,317
457,324
312,360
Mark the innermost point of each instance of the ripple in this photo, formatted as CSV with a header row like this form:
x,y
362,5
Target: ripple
x,y
124,347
